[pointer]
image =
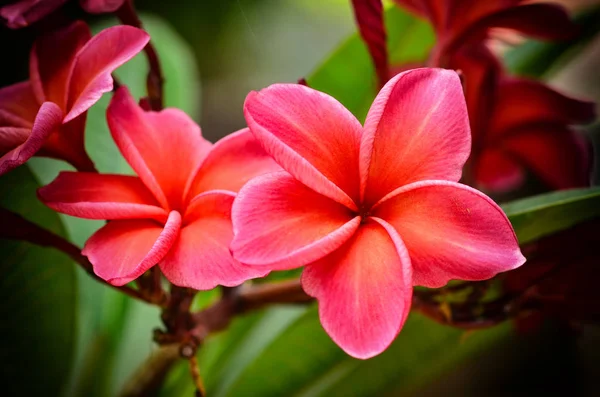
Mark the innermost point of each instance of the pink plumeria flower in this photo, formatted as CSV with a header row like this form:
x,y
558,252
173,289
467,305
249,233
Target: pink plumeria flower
x,y
373,210
177,212
69,72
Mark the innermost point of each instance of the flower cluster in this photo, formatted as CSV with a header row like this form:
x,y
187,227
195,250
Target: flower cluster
x,y
370,210
519,125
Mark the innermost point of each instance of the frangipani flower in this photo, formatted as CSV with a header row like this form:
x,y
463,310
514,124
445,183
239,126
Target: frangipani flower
x,y
177,212
25,12
461,22
373,210
69,72
520,124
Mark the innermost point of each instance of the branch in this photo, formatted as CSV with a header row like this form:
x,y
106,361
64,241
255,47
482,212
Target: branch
x,y
24,230
154,83
148,378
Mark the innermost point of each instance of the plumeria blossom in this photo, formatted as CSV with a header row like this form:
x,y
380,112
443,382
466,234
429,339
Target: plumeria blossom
x,y
25,12
370,211
69,72
521,125
464,22
176,212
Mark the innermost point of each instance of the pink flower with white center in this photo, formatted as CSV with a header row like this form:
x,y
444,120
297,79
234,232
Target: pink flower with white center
x,y
370,211
177,212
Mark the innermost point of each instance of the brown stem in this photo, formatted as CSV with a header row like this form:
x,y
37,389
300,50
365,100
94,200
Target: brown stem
x,y
24,230
154,83
150,375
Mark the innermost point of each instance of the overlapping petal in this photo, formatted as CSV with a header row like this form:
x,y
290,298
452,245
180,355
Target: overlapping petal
x,y
164,148
311,135
557,155
520,102
497,171
200,258
123,250
51,62
417,116
18,105
101,196
48,120
91,71
451,231
364,289
281,224
231,162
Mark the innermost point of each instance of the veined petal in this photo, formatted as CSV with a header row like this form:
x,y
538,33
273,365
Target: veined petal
x,y
18,105
364,289
200,258
122,251
556,154
279,223
231,163
101,196
48,120
91,73
416,129
470,238
164,148
51,62
521,102
311,135
68,144
495,170
11,137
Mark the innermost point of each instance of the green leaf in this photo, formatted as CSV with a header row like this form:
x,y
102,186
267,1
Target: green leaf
x,y
116,331
542,215
38,291
536,58
349,76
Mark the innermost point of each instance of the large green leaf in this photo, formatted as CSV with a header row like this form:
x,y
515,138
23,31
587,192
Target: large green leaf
x,y
116,331
542,215
349,75
38,292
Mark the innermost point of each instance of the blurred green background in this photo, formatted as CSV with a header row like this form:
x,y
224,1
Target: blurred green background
x,y
64,334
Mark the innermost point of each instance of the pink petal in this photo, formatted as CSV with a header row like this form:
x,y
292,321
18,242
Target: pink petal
x,y
369,18
100,6
311,135
451,232
122,251
25,12
11,137
417,128
497,171
545,21
68,144
554,153
18,105
364,289
91,73
232,161
101,196
521,102
52,59
281,224
200,258
163,148
47,121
